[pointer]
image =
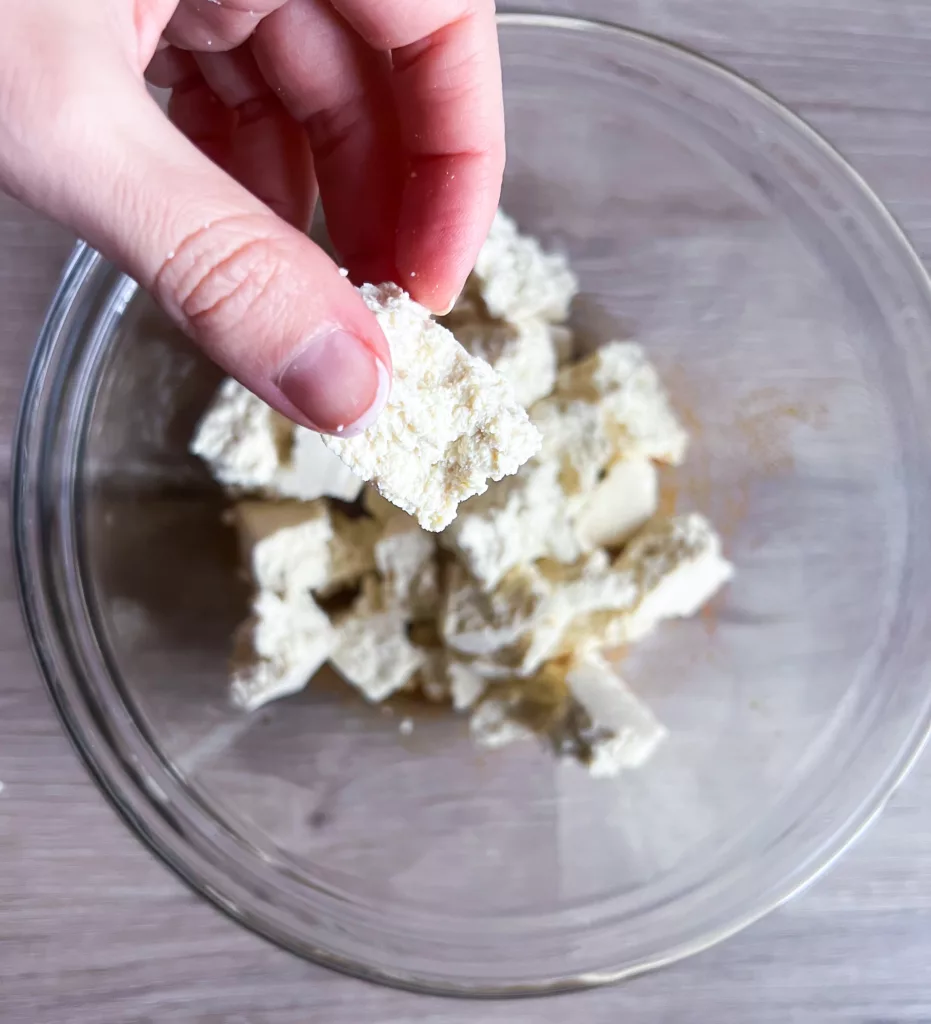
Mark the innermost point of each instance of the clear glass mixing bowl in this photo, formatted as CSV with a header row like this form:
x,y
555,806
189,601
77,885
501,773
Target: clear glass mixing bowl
x,y
792,322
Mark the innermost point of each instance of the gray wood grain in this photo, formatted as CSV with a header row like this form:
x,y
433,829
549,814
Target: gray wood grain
x,y
94,931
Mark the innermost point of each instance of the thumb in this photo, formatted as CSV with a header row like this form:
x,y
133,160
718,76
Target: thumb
x,y
256,294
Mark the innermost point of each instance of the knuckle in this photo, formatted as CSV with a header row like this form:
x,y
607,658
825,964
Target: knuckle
x,y
221,277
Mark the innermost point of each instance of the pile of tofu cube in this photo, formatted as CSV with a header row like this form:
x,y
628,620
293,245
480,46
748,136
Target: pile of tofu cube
x,y
490,540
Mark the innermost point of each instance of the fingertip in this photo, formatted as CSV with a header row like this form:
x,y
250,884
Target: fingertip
x,y
446,212
338,383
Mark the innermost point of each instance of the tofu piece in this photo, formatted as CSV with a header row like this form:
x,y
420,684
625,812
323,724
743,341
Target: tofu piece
x,y
279,649
592,587
619,506
291,546
286,544
372,650
517,280
405,556
432,678
621,731
451,422
576,438
483,625
522,624
677,567
445,679
239,438
523,353
250,447
492,727
352,553
519,520
633,403
582,707
311,470
466,686
609,407
539,706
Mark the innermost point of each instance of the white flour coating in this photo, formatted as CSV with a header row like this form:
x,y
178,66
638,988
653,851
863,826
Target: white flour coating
x,y
623,502
608,407
522,623
250,447
372,651
678,567
237,439
524,518
518,280
623,731
576,439
524,353
451,422
621,382
291,546
405,556
285,642
492,727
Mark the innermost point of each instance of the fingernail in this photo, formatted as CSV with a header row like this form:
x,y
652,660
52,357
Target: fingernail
x,y
338,383
449,308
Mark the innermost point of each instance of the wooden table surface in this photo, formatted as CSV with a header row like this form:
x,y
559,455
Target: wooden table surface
x,y
93,930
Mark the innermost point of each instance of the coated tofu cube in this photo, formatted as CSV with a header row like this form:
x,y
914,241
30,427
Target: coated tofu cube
x,y
621,731
294,545
373,652
619,505
523,353
279,649
522,519
405,556
517,280
626,388
450,425
250,447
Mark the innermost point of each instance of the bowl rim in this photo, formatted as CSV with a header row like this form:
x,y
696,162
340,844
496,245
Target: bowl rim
x,y
100,766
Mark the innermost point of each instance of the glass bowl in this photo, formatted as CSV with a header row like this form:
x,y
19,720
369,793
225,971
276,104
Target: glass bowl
x,y
791,320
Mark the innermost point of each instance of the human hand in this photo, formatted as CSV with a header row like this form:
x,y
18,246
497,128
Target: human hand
x,y
390,108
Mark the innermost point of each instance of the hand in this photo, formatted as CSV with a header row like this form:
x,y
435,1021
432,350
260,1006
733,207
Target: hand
x,y
391,108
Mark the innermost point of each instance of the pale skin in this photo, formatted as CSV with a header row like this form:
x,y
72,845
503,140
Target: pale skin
x,y
389,111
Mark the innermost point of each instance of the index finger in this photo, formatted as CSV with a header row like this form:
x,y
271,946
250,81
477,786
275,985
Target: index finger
x,y
447,82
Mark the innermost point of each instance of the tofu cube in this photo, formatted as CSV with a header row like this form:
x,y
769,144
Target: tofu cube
x,y
279,649
450,425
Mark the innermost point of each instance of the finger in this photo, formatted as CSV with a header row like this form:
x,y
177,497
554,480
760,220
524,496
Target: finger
x,y
216,25
195,110
269,151
391,26
259,297
340,89
171,68
234,77
263,148
447,82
